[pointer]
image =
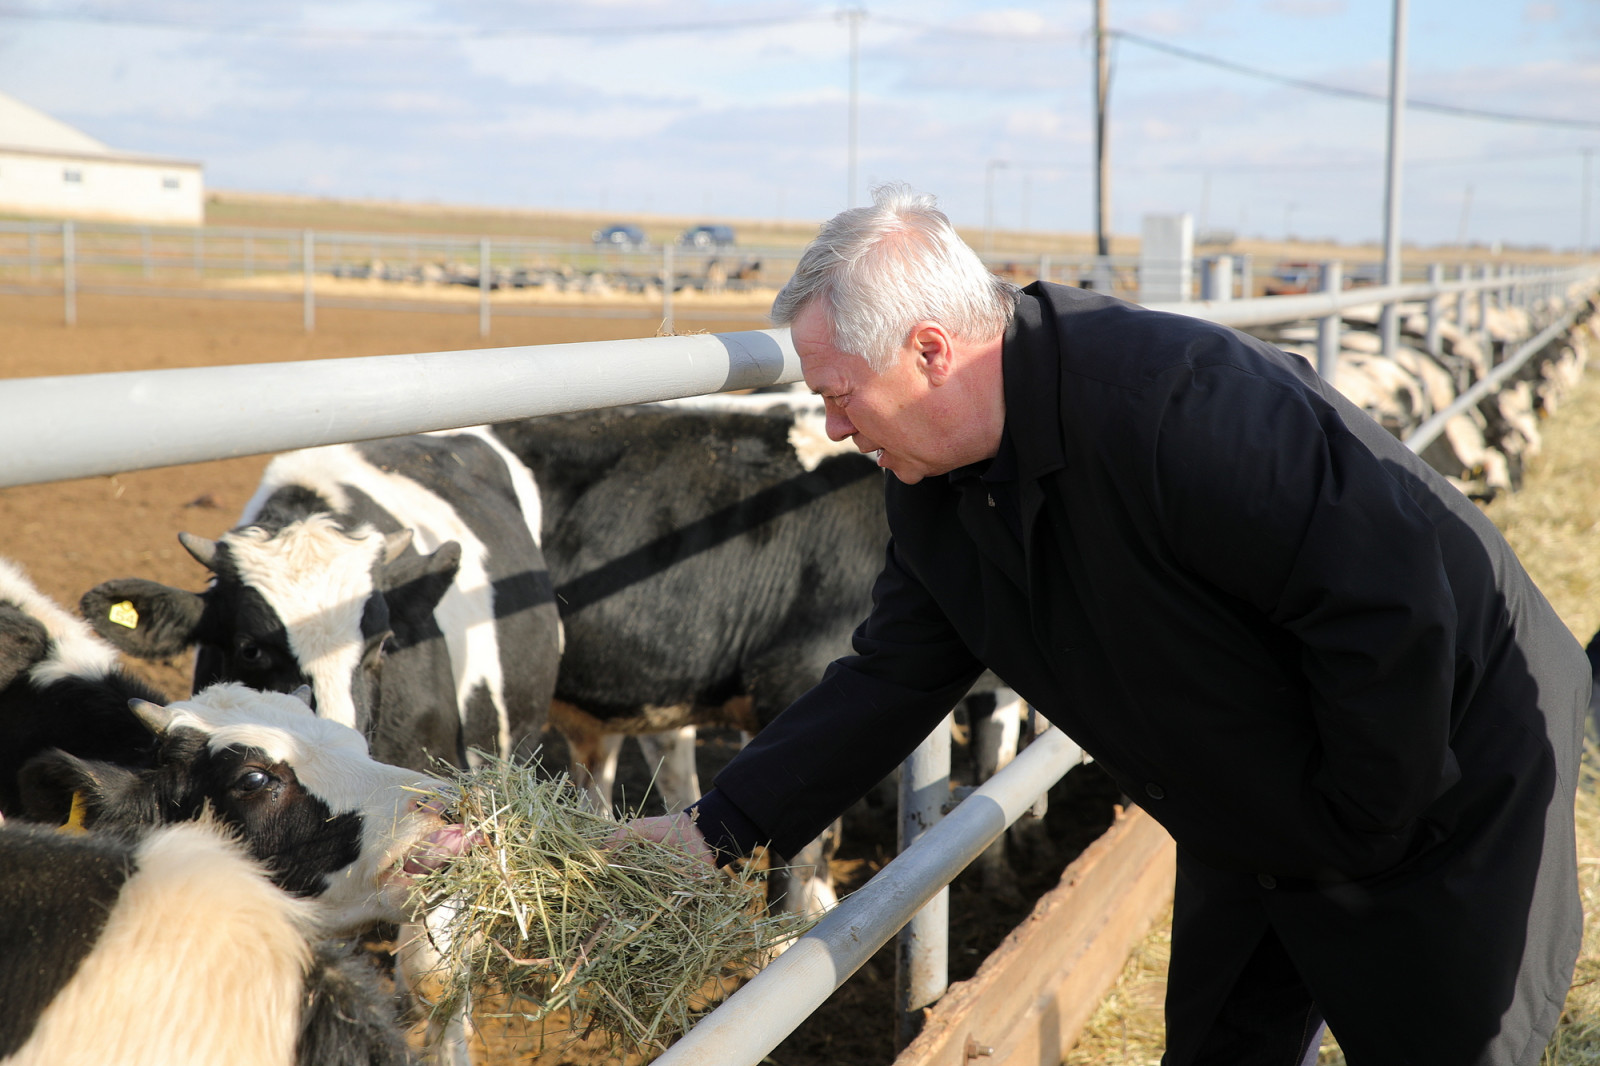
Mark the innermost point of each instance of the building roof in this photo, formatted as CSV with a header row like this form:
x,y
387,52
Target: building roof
x,y
30,131
22,126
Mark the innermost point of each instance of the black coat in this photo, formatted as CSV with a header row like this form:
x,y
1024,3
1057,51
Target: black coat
x,y
1299,648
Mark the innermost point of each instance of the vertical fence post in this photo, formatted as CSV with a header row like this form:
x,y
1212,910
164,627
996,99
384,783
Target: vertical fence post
x,y
69,274
923,946
1217,281
308,256
144,251
1329,325
667,279
483,286
1044,267
1435,279
1247,277
1463,273
1483,313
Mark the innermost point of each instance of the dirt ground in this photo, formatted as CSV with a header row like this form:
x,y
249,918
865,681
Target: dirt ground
x,y
71,535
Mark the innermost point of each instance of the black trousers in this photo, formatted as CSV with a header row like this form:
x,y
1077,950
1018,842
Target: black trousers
x,y
1234,997
1424,968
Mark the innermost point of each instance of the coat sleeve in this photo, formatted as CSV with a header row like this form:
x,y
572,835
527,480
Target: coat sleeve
x,y
1265,494
869,711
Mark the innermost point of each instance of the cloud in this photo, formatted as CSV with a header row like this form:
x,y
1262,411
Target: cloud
x,y
1305,8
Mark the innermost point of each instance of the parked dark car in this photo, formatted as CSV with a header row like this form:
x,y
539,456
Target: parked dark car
x,y
707,237
622,235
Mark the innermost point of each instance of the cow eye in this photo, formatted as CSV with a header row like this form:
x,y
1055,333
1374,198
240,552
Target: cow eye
x,y
251,653
252,780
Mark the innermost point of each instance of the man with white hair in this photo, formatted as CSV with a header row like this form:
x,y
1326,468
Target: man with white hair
x,y
1305,654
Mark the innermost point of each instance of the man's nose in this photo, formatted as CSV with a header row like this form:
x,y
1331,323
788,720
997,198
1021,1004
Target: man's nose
x,y
839,427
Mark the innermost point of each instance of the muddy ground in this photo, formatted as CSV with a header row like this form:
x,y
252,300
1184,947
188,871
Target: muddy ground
x,y
72,535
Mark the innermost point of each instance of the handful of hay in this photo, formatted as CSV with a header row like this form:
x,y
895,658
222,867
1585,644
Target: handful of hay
x,y
634,940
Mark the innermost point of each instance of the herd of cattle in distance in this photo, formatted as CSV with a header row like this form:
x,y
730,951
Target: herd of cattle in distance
x,y
378,606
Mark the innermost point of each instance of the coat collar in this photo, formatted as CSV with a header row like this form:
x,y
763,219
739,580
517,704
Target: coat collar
x,y
1031,368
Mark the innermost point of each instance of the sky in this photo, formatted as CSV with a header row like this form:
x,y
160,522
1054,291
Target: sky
x,y
729,109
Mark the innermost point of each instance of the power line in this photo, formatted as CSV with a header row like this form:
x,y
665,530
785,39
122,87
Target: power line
x,y
1353,94
441,33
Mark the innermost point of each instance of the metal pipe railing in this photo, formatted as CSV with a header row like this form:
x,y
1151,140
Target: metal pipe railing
x,y
769,1007
53,428
1270,310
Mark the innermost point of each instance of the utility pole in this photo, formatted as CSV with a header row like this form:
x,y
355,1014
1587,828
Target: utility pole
x,y
1583,230
1389,323
1102,83
853,16
988,204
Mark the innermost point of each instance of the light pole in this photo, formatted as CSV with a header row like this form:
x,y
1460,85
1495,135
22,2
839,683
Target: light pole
x,y
988,203
1389,323
1102,79
853,16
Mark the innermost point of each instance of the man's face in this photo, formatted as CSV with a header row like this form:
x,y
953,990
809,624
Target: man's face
x,y
890,413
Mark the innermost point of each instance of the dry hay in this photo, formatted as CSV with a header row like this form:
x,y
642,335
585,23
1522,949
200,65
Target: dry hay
x,y
553,918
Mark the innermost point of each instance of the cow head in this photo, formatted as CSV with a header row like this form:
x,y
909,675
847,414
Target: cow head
x,y
311,603
302,792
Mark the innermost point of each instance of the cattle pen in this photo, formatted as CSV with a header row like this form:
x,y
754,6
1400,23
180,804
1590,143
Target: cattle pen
x,y
52,428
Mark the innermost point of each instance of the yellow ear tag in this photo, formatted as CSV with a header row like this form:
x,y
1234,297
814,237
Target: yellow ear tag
x,y
124,615
75,816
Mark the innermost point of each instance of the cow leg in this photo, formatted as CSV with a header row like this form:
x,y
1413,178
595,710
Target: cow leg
x,y
805,885
592,749
670,758
595,769
417,965
995,737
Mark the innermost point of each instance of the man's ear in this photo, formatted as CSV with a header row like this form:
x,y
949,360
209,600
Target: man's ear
x,y
931,343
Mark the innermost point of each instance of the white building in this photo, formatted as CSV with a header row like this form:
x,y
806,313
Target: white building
x,y
50,170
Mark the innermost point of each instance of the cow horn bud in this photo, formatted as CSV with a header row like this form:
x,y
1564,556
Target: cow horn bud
x,y
394,544
156,717
303,694
203,550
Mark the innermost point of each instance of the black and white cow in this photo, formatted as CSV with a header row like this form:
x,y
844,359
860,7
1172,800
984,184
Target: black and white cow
x,y
705,572
328,822
60,688
173,946
402,579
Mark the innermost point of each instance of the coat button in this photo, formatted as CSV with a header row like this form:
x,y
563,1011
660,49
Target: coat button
x,y
1266,881
1154,791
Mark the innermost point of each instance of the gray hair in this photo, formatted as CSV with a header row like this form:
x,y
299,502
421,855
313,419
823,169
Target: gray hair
x,y
882,269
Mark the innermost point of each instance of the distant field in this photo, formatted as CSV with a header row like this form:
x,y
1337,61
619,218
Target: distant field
x,y
226,208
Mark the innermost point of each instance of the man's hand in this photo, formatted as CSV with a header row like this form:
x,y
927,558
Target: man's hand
x,y
678,830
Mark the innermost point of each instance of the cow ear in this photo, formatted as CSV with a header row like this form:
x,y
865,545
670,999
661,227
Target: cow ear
x,y
395,545
143,618
48,783
414,585
23,642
